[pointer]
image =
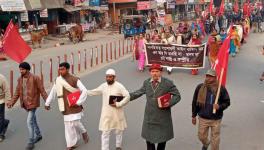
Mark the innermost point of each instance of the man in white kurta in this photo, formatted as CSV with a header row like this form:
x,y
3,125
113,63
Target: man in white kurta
x,y
112,117
64,85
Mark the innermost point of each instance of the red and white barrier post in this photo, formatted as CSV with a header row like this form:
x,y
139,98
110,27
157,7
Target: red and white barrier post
x,y
119,49
79,61
51,72
92,58
59,61
102,54
41,71
123,48
106,52
72,63
111,51
85,59
65,57
34,68
96,55
115,51
11,82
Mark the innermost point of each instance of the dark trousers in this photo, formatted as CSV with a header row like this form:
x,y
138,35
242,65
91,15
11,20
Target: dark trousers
x,y
3,122
151,146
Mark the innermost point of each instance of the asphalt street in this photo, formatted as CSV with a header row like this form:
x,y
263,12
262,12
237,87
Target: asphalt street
x,y
242,125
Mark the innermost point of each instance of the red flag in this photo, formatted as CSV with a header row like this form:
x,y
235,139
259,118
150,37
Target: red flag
x,y
211,6
236,7
222,8
13,44
222,61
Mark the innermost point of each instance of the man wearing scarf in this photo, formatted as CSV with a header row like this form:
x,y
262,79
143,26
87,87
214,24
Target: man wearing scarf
x,y
203,105
64,85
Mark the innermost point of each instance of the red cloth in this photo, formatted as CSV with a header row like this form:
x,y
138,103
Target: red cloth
x,y
236,7
222,61
211,6
222,8
13,44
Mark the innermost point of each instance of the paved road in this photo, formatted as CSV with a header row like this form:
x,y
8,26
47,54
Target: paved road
x,y
242,124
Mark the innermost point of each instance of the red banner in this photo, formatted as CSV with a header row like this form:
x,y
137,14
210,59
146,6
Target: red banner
x,y
13,44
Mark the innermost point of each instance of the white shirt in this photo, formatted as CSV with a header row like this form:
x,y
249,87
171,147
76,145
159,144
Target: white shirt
x,y
83,97
111,117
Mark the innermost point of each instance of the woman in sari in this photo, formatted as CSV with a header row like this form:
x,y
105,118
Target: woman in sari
x,y
135,49
235,42
141,50
213,50
195,40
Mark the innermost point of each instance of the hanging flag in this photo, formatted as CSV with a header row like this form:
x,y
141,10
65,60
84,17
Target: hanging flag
x,y
222,8
13,44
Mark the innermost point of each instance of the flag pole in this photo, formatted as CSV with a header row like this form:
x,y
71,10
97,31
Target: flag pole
x,y
219,88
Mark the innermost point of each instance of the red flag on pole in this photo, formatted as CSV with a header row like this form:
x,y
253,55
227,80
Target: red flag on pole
x,y
211,6
222,61
13,44
236,7
222,8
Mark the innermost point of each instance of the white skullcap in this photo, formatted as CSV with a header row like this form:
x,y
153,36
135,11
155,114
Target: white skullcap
x,y
110,72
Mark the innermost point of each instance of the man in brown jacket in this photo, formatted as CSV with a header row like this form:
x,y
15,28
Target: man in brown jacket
x,y
29,89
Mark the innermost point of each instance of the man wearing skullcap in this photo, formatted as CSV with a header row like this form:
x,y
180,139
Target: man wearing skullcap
x,y
29,89
112,115
157,124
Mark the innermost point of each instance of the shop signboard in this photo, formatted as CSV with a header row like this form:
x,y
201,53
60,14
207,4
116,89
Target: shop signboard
x,y
12,5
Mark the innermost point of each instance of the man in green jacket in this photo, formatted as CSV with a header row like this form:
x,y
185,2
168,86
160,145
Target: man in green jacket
x,y
157,124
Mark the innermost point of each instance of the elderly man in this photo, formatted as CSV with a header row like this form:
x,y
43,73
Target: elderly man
x,y
157,124
112,115
64,85
4,96
203,105
29,89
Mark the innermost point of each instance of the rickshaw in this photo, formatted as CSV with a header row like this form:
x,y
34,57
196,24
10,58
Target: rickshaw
x,y
133,25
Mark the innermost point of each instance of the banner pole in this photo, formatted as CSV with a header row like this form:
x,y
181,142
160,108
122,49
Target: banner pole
x,y
218,89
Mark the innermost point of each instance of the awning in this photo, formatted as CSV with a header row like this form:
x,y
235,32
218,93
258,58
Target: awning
x,y
122,1
96,8
52,4
33,5
71,8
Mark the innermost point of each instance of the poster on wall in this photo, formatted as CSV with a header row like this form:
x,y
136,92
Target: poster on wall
x,y
24,16
43,13
94,3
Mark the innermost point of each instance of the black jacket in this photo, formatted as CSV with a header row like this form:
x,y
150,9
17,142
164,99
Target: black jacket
x,y
207,111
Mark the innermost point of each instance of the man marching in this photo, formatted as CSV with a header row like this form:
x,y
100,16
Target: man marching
x,y
112,116
203,105
4,96
157,125
29,89
64,85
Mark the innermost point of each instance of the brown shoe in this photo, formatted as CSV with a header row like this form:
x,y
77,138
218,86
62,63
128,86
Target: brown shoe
x,y
71,148
118,148
85,137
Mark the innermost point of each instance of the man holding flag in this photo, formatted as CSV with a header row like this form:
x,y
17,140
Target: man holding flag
x,y
211,99
203,104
